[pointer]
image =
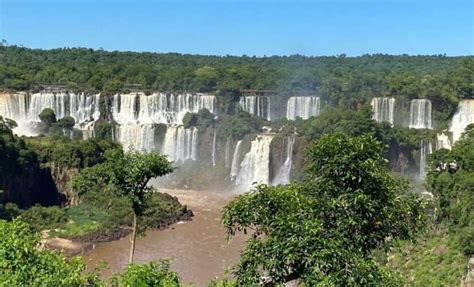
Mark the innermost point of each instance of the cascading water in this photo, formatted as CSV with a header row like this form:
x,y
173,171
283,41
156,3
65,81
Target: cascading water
x,y
303,107
236,161
137,137
134,113
462,118
139,111
159,107
442,141
227,159
255,167
180,144
420,114
425,150
25,108
383,109
283,174
213,155
256,105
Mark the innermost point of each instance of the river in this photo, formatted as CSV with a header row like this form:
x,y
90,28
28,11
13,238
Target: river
x,y
198,247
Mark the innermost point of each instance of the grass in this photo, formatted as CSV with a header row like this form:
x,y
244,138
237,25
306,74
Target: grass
x,y
435,259
83,219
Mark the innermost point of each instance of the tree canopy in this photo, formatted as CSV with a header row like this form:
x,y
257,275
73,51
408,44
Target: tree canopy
x,y
323,230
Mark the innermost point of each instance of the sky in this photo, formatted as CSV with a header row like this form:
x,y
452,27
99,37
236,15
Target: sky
x,y
259,27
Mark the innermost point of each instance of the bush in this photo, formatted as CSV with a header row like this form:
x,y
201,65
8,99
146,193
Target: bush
x,y
151,274
190,120
23,263
47,116
66,123
41,217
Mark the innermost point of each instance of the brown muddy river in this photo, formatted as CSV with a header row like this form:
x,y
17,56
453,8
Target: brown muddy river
x,y
198,247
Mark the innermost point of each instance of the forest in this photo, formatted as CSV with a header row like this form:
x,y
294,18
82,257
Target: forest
x,y
339,78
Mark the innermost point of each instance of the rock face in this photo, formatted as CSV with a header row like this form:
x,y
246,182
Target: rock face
x,y
29,187
469,280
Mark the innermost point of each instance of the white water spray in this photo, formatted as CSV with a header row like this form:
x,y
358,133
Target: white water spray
x,y
303,107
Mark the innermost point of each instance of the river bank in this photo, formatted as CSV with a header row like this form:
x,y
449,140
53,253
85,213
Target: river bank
x,y
80,243
198,247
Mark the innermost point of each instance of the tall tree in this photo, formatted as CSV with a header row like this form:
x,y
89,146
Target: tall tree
x,y
128,174
322,231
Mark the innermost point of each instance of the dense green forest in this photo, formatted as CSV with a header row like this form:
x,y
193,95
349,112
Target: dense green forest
x,y
333,76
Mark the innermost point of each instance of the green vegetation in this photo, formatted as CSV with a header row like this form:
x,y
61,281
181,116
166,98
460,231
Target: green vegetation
x,y
23,263
340,81
22,181
128,176
323,230
439,256
202,120
66,153
239,125
156,274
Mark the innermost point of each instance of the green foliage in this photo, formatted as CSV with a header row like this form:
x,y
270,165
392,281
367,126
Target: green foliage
x,y
434,259
9,211
190,120
64,152
41,217
161,209
104,130
439,256
128,173
23,263
66,123
323,230
453,186
239,125
156,274
201,120
464,74
344,81
19,162
47,116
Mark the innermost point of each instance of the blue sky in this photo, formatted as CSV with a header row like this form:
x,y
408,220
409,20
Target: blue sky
x,y
260,27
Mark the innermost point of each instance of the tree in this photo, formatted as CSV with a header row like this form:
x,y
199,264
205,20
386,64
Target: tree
x,y
323,230
66,123
157,274
24,263
129,175
47,116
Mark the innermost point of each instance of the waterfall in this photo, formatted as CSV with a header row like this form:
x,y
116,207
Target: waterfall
x,y
283,174
256,105
256,164
137,137
159,107
25,108
236,160
442,141
213,155
303,107
383,109
180,144
462,118
420,114
425,150
227,159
